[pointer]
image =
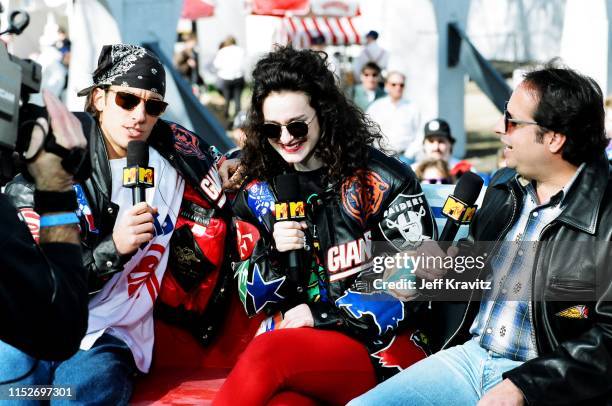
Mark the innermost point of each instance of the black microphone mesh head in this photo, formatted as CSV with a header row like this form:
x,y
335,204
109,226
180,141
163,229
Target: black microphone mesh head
x,y
137,153
468,188
288,187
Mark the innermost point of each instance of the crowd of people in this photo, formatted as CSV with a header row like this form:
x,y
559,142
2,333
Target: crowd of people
x,y
325,188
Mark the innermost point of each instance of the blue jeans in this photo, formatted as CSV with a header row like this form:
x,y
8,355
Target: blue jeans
x,y
103,375
457,376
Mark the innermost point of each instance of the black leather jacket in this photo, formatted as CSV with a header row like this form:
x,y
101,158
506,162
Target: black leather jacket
x,y
572,265
189,154
354,222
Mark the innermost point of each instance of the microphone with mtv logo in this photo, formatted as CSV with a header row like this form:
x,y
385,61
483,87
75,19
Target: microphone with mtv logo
x,y
137,175
459,208
291,207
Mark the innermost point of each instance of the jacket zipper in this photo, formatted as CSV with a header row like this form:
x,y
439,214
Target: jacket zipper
x,y
503,233
535,264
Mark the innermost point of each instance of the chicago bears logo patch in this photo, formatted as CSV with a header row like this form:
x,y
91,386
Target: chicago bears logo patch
x,y
363,194
186,142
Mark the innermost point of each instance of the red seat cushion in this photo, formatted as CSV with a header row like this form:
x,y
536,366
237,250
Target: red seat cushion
x,y
183,371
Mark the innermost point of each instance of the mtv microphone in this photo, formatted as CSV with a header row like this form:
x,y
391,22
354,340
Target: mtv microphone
x,y
290,208
137,175
459,208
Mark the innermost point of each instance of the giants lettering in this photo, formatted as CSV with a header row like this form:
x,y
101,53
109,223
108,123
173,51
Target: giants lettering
x,y
350,254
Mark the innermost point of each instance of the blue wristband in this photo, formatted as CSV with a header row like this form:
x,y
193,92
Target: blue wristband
x,y
62,219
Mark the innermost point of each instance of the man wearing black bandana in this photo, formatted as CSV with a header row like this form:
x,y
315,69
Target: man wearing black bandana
x,y
128,247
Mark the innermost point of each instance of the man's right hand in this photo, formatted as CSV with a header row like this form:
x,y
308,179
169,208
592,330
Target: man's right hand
x,y
431,249
134,228
231,174
47,169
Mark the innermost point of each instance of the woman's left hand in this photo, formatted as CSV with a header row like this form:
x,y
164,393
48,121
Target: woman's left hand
x,y
299,316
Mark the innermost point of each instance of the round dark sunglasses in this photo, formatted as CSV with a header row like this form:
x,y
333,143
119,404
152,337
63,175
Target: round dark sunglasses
x,y
129,101
297,128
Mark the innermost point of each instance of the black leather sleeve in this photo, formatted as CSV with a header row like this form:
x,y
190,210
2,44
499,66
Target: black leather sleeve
x,y
43,294
102,262
577,370
261,278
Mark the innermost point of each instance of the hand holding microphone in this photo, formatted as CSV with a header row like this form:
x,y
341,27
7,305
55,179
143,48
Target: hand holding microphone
x,y
290,213
459,208
289,235
135,227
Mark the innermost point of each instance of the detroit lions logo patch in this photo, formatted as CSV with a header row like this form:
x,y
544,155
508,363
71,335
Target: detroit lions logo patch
x,y
386,310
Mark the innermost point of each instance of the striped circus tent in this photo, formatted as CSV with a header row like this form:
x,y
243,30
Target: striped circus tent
x,y
300,31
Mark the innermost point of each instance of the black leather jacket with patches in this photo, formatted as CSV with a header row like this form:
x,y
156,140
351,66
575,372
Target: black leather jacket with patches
x,y
381,209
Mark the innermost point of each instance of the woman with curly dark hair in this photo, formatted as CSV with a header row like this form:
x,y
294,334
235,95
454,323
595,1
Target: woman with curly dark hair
x,y
336,118
318,204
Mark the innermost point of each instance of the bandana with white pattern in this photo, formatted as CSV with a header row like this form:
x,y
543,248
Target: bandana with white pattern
x,y
128,66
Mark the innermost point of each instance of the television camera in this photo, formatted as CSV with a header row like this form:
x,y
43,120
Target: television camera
x,y
20,78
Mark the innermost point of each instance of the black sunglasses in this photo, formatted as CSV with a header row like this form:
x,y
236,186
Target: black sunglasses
x,y
509,121
298,129
129,101
441,181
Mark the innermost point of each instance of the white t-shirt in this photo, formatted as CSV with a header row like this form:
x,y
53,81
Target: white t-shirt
x,y
229,62
124,307
400,124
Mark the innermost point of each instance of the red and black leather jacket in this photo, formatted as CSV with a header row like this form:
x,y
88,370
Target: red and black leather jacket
x,y
381,209
194,288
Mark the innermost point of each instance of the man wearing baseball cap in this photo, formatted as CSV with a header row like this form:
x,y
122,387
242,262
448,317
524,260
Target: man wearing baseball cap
x,y
438,143
128,246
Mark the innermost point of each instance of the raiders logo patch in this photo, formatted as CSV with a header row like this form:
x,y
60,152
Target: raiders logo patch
x,y
406,222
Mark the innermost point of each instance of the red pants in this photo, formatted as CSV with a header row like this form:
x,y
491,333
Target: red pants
x,y
299,366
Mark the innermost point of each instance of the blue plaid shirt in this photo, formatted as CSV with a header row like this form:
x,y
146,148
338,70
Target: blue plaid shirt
x,y
504,324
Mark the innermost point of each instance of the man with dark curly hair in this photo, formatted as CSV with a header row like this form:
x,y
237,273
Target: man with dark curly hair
x,y
328,319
